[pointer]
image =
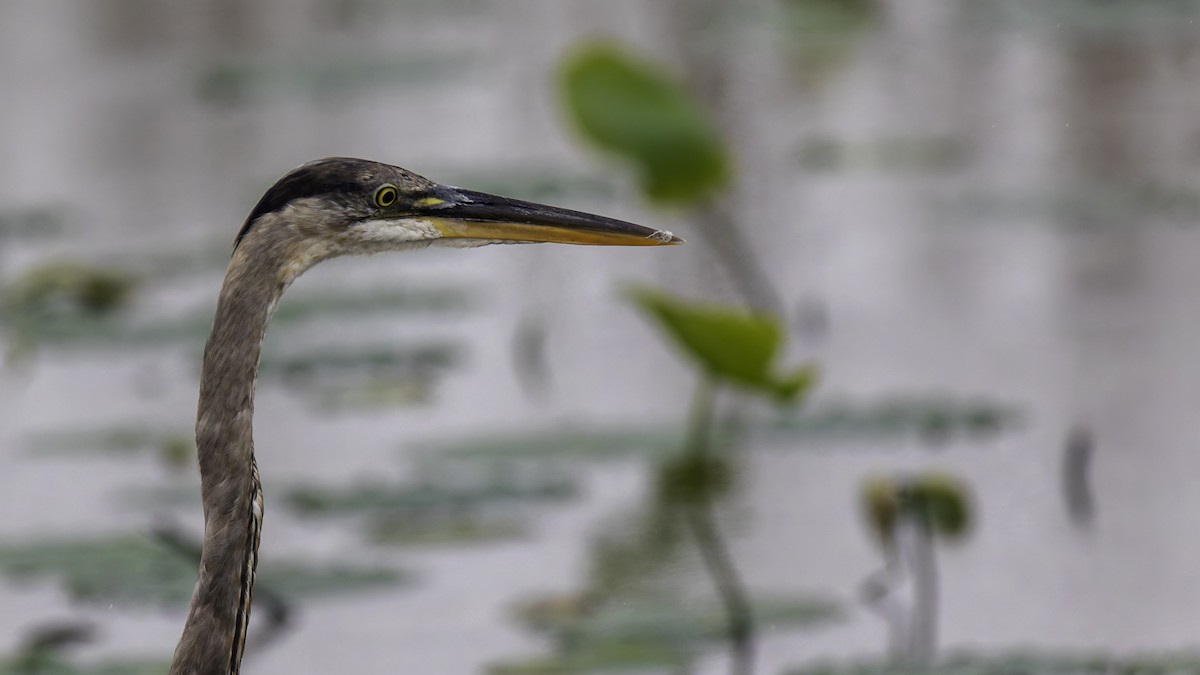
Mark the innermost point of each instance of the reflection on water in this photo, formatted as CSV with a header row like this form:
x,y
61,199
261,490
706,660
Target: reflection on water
x,y
989,201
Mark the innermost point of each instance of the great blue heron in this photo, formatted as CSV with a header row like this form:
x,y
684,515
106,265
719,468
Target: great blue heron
x,y
323,209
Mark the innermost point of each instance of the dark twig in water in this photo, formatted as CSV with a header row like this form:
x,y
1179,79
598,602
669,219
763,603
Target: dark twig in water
x,y
1076,476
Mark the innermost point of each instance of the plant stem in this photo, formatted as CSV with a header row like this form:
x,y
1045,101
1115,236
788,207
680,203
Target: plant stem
x,y
700,517
914,538
730,245
700,419
878,592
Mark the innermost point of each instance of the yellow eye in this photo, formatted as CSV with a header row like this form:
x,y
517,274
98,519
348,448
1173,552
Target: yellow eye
x,y
386,195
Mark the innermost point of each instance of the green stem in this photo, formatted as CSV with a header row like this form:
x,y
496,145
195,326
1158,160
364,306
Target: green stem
x,y
700,419
923,571
728,242
700,517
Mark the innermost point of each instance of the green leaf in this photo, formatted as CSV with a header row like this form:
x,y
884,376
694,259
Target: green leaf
x,y
727,343
630,108
796,384
880,504
945,501
940,500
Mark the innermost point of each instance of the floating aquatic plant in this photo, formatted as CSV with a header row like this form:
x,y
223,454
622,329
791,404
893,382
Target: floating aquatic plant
x,y
38,664
662,619
426,498
126,568
443,530
1018,663
67,289
78,329
817,427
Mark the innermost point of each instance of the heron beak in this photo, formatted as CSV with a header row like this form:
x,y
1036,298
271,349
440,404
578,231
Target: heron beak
x,y
467,214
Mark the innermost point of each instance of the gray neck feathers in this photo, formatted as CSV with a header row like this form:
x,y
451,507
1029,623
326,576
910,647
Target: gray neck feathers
x,y
263,266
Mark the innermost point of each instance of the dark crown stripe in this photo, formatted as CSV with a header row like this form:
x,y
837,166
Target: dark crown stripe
x,y
323,177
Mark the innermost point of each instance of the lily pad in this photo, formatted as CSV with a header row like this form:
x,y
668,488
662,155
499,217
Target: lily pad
x,y
370,393
417,359
126,568
427,498
365,377
811,429
574,443
55,665
1018,663
651,633
458,529
117,440
1090,17
608,657
935,418
91,331
665,620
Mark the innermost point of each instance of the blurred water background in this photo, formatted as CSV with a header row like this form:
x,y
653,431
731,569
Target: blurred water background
x,y
979,218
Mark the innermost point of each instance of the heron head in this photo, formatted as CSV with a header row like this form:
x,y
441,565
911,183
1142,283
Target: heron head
x,y
341,206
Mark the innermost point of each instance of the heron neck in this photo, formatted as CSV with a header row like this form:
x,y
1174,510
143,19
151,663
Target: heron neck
x,y
213,637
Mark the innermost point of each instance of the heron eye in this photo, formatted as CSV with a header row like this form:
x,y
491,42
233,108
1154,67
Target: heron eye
x,y
386,195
